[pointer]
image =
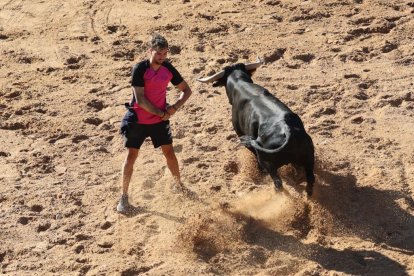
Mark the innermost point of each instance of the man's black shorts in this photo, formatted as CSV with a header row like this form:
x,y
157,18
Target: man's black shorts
x,y
160,134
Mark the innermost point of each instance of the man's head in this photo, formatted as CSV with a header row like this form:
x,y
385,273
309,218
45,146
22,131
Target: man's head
x,y
158,49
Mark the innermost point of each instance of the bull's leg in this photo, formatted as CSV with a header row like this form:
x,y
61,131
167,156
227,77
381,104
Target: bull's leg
x,y
310,177
272,170
251,148
235,124
262,167
276,179
245,140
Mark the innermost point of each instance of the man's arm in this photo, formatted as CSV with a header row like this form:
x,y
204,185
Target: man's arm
x,y
144,103
184,95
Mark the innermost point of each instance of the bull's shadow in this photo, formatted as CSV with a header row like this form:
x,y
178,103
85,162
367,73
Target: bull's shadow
x,y
369,213
365,211
355,262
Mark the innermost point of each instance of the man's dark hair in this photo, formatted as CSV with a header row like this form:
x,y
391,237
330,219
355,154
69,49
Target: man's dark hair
x,y
158,42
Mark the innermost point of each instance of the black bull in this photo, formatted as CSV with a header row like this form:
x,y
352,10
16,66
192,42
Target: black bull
x,y
267,127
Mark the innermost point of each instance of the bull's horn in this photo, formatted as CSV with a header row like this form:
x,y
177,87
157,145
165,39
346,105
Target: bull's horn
x,y
254,65
212,78
249,67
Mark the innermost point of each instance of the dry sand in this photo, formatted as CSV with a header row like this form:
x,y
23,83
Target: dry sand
x,y
346,67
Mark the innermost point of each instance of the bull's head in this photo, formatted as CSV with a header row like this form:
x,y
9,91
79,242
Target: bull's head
x,y
220,78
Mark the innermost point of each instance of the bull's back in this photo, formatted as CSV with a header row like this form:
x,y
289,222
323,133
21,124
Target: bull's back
x,y
260,100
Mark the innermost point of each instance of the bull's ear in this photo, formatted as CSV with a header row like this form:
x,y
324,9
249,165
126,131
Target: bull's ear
x,y
218,83
251,72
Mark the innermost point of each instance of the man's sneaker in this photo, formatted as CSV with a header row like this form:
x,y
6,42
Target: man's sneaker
x,y
177,188
123,204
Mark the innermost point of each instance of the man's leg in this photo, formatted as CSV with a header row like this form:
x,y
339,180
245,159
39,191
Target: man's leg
x,y
172,162
128,168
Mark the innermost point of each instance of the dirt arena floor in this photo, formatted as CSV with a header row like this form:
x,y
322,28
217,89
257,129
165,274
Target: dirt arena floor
x,y
344,66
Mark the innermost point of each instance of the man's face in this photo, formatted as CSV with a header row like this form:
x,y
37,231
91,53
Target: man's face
x,y
158,55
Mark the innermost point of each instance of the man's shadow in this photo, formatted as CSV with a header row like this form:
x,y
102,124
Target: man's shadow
x,y
354,262
133,211
370,213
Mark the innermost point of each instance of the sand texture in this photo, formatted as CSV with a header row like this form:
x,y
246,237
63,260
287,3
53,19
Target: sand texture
x,y
344,66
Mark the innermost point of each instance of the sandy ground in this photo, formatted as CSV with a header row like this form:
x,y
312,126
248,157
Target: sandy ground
x,y
346,67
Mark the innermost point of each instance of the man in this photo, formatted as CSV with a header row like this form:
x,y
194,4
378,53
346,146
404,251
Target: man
x,y
148,113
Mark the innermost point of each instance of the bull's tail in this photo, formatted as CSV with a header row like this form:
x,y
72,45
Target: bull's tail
x,y
251,143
